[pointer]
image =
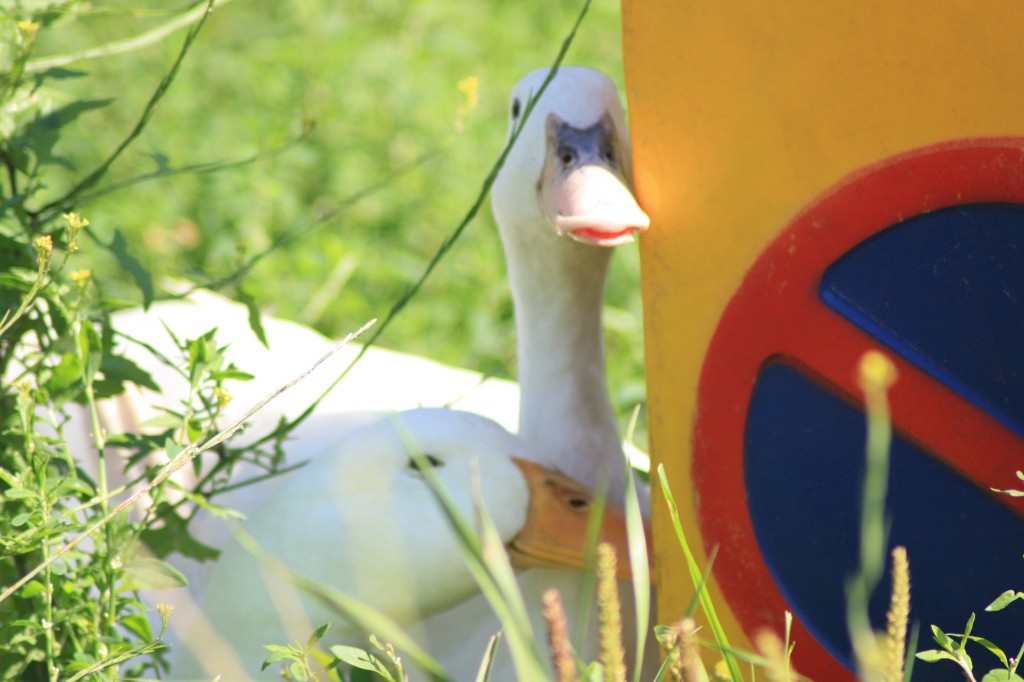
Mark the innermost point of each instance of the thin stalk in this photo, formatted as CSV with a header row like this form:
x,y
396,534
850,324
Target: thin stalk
x,y
297,233
27,410
121,46
106,612
193,168
8,319
49,211
51,666
876,376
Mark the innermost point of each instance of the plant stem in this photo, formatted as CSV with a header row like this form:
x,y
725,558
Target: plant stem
x,y
8,320
106,611
27,411
56,206
121,46
876,376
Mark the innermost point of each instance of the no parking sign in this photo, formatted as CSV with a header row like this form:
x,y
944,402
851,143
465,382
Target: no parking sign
x,y
825,180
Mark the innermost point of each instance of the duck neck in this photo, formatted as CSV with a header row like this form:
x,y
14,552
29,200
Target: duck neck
x,y
565,411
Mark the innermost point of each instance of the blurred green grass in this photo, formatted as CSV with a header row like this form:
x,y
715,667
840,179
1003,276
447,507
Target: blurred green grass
x,y
379,78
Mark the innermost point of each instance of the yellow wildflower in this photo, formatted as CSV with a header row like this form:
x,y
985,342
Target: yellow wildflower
x,y
75,221
76,224
24,388
80,277
44,249
470,88
222,395
28,28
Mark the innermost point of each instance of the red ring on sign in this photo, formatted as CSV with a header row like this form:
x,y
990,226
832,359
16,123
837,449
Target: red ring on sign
x,y
777,312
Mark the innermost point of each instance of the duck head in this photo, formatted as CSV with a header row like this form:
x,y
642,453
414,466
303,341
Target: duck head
x,y
569,171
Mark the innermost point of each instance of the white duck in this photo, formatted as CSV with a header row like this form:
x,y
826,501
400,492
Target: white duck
x,y
558,286
560,200
360,517
563,197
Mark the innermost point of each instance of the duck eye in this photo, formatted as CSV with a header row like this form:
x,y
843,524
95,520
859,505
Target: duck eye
x,y
609,156
515,108
431,460
567,156
578,503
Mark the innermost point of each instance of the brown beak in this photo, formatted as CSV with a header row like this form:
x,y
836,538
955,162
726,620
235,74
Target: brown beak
x,y
555,534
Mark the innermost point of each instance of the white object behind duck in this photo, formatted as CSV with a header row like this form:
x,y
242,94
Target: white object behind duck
x,y
383,380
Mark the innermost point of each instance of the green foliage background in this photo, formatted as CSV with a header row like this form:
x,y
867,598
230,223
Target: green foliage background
x,y
378,78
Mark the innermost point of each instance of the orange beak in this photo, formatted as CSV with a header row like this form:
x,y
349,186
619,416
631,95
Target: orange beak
x,y
557,518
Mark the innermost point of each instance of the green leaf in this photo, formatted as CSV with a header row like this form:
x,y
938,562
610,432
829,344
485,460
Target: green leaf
x,y
20,494
75,485
970,626
932,655
174,536
483,673
1011,493
32,589
1001,675
278,653
233,374
172,447
198,354
138,625
143,278
298,671
195,429
42,134
992,648
62,383
1004,600
150,573
121,369
58,73
942,639
317,635
353,656
255,317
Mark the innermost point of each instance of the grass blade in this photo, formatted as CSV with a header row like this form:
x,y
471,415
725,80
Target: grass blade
x,y
487,662
695,574
638,560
